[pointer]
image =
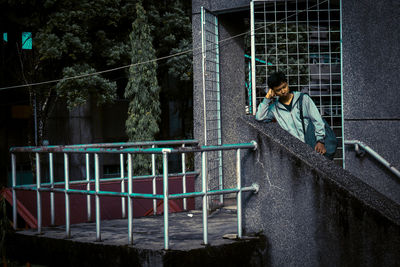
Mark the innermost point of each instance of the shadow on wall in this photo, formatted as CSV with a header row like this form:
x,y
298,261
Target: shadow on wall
x,y
313,212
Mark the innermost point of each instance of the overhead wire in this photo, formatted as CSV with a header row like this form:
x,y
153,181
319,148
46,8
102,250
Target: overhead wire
x,y
152,60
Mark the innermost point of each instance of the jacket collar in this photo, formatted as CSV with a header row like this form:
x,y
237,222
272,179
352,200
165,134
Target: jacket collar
x,y
296,96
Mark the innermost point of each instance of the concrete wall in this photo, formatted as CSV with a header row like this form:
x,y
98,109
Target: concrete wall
x,y
371,38
232,79
312,212
370,78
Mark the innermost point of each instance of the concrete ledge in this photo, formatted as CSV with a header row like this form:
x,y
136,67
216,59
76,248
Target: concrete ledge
x,y
311,211
52,249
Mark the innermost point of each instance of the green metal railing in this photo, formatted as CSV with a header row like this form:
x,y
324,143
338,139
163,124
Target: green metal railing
x,y
120,149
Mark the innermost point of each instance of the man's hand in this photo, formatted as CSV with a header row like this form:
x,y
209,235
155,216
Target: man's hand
x,y
320,148
270,94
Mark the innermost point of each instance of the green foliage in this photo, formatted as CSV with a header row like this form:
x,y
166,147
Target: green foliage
x,y
142,89
101,89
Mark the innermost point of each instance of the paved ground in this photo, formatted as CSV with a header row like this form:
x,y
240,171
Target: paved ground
x,y
185,231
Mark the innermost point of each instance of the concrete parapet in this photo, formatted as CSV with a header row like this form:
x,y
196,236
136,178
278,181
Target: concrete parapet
x,y
313,212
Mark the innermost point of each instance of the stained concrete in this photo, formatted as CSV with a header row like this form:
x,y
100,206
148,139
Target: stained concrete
x,y
185,234
371,109
312,212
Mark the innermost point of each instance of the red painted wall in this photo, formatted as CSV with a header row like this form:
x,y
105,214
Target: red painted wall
x,y
110,206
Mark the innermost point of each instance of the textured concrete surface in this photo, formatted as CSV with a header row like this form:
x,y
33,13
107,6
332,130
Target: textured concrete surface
x,y
371,38
312,212
366,167
185,233
232,78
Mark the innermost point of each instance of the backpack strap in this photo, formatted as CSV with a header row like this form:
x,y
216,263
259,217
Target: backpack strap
x,y
301,112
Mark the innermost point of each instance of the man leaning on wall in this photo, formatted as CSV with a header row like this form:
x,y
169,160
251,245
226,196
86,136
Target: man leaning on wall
x,y
283,105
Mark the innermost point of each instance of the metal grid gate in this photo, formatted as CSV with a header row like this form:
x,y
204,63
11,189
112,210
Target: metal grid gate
x,y
211,98
303,39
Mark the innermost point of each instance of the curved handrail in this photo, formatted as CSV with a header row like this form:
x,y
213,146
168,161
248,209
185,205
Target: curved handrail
x,y
374,154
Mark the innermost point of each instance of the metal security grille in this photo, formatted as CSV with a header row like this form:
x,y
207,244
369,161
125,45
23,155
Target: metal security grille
x,y
211,97
301,38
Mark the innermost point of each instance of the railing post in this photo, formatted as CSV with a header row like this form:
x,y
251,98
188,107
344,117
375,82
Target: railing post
x,y
165,192
97,188
51,174
67,206
38,195
88,202
204,190
239,194
14,193
154,182
121,156
184,178
130,215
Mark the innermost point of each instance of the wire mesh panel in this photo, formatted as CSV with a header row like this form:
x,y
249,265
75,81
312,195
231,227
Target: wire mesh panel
x,y
302,39
211,98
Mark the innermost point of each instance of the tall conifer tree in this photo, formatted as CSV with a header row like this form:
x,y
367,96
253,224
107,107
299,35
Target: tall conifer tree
x,y
142,89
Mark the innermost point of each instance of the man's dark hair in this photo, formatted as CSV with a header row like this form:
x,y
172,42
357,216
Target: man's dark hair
x,y
276,78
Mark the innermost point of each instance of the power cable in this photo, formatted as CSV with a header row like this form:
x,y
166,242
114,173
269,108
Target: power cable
x,y
152,60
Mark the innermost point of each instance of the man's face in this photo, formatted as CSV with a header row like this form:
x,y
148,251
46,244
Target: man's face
x,y
282,90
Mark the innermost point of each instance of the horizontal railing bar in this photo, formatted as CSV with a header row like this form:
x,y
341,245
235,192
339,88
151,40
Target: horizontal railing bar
x,y
139,195
83,182
108,145
251,145
92,192
213,192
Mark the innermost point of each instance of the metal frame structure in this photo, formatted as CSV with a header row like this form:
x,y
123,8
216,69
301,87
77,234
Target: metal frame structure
x,y
211,96
303,39
102,149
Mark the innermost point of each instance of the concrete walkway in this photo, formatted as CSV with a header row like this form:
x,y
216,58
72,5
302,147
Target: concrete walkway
x,y
185,246
185,231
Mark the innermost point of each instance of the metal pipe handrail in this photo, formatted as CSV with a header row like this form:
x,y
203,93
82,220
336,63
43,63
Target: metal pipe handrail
x,y
50,149
374,154
130,195
107,145
83,182
253,187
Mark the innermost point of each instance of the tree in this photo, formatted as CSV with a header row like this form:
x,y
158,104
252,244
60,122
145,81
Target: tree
x,y
142,89
71,38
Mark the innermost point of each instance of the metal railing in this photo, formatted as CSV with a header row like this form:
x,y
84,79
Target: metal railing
x,y
121,149
357,144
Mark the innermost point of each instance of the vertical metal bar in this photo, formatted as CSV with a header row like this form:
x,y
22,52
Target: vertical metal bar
x,y
219,127
153,173
204,190
319,58
38,195
121,157
253,58
298,48
67,206
97,188
165,192
308,49
130,215
276,39
14,193
88,202
51,174
330,65
341,84
203,66
239,194
183,155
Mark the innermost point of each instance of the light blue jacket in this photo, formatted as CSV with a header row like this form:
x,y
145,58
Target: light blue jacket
x,y
268,110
